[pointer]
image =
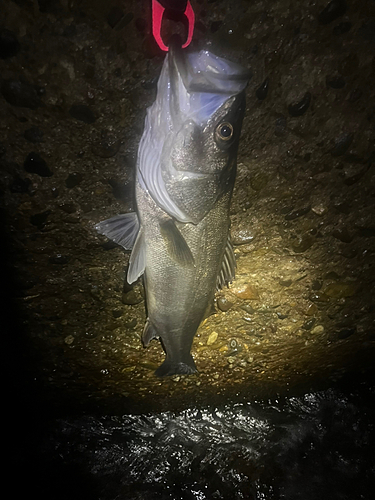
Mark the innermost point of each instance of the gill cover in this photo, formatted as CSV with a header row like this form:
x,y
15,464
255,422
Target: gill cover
x,y
179,163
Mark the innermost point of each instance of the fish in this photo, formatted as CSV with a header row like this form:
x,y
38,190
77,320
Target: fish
x,y
185,173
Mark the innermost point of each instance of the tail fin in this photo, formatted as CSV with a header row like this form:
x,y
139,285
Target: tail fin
x,y
170,367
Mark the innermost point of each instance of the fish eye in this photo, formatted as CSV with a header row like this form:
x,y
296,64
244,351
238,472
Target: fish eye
x,y
224,131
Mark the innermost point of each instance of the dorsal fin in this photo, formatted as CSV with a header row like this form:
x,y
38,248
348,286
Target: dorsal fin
x,y
228,267
122,229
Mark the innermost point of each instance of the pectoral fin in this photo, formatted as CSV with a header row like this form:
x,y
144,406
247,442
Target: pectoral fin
x,y
137,261
177,247
122,229
228,267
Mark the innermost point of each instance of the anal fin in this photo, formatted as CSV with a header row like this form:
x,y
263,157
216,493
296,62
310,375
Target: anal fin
x,y
149,333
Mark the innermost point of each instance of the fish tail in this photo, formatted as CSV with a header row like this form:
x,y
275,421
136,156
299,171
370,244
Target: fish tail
x,y
169,367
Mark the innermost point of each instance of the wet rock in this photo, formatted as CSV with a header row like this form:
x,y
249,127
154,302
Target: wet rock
x,y
341,290
310,310
344,333
115,15
117,313
319,209
234,347
303,243
242,236
34,164
342,234
224,304
9,45
132,297
68,208
122,191
215,25
355,95
343,207
335,9
259,181
286,282
336,82
19,185
73,180
245,291
317,330
342,28
247,308
366,232
309,324
262,91
353,173
33,134
300,108
140,24
367,31
212,338
280,126
281,315
82,113
342,144
59,259
318,297
39,220
21,94
298,213
107,146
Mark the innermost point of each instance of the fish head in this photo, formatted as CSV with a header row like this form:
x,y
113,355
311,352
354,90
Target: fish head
x,y
198,114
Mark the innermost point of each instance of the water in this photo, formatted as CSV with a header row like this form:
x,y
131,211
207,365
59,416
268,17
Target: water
x,y
318,445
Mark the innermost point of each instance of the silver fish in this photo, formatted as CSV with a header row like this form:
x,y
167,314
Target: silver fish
x,y
186,169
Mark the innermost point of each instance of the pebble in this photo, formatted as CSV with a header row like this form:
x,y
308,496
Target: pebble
x,y
342,234
344,333
82,113
39,220
300,108
242,236
247,308
303,243
69,340
297,213
318,297
245,291
19,185
114,16
342,28
59,259
9,45
21,94
132,297
342,144
212,338
262,91
336,82
33,134
280,126
107,146
259,181
309,324
341,290
335,9
224,304
34,164
73,180
317,329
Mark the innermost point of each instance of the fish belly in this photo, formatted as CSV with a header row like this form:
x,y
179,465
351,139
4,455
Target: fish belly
x,y
179,296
